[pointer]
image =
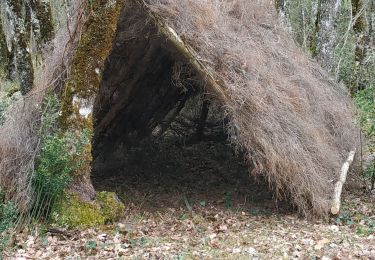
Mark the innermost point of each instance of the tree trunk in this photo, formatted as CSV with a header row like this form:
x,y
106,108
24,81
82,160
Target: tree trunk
x,y
4,56
21,18
326,32
43,14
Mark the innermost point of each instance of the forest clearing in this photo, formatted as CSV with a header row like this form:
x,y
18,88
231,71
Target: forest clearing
x,y
184,129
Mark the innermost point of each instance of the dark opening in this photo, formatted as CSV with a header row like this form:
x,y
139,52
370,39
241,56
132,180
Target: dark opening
x,y
190,164
160,140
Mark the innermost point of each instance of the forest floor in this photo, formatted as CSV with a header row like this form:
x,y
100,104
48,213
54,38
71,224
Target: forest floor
x,y
197,202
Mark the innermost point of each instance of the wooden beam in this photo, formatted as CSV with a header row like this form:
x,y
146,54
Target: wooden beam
x,y
213,84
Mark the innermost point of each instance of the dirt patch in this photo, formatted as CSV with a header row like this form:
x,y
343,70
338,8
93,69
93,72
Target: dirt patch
x,y
174,174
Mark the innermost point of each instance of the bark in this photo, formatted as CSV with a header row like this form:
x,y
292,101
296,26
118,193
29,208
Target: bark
x,y
313,42
43,13
369,37
360,29
21,56
4,56
326,32
29,28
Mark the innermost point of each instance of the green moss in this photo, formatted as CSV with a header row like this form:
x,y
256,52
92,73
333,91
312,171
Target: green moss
x,y
112,208
21,40
43,13
85,72
88,61
72,212
4,57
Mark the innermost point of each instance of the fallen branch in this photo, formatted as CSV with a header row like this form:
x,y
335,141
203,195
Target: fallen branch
x,y
335,209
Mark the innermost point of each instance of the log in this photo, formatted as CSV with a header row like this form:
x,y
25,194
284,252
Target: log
x,y
336,203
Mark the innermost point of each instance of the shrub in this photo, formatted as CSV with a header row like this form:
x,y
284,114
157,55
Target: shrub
x,y
56,161
366,102
8,219
8,213
52,173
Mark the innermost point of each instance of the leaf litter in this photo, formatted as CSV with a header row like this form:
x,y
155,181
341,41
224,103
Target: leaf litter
x,y
221,214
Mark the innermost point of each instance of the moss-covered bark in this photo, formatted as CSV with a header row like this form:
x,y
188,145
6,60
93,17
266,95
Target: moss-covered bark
x,y
84,80
4,56
360,28
72,212
314,37
88,62
43,13
21,44
30,27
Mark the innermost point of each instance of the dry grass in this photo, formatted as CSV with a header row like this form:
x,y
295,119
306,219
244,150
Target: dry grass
x,y
20,134
295,123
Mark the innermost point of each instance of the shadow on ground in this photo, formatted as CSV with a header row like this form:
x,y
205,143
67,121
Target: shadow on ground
x,y
161,174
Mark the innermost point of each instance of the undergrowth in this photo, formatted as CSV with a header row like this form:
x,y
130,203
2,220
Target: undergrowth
x,y
56,161
8,219
366,102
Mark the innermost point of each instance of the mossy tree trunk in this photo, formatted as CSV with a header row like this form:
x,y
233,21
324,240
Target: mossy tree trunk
x,y
371,19
362,36
29,26
4,55
325,41
314,38
360,28
21,44
83,84
44,26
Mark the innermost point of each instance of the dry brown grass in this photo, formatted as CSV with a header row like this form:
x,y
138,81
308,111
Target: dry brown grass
x,y
294,122
21,132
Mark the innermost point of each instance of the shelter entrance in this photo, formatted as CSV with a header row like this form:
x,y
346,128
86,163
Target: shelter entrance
x,y
160,136
190,165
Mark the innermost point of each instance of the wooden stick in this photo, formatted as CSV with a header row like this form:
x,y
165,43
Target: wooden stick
x,y
207,74
335,209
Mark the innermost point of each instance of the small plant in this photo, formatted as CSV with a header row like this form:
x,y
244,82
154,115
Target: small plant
x,y
8,219
366,102
52,174
228,200
56,161
203,203
91,245
8,213
344,219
